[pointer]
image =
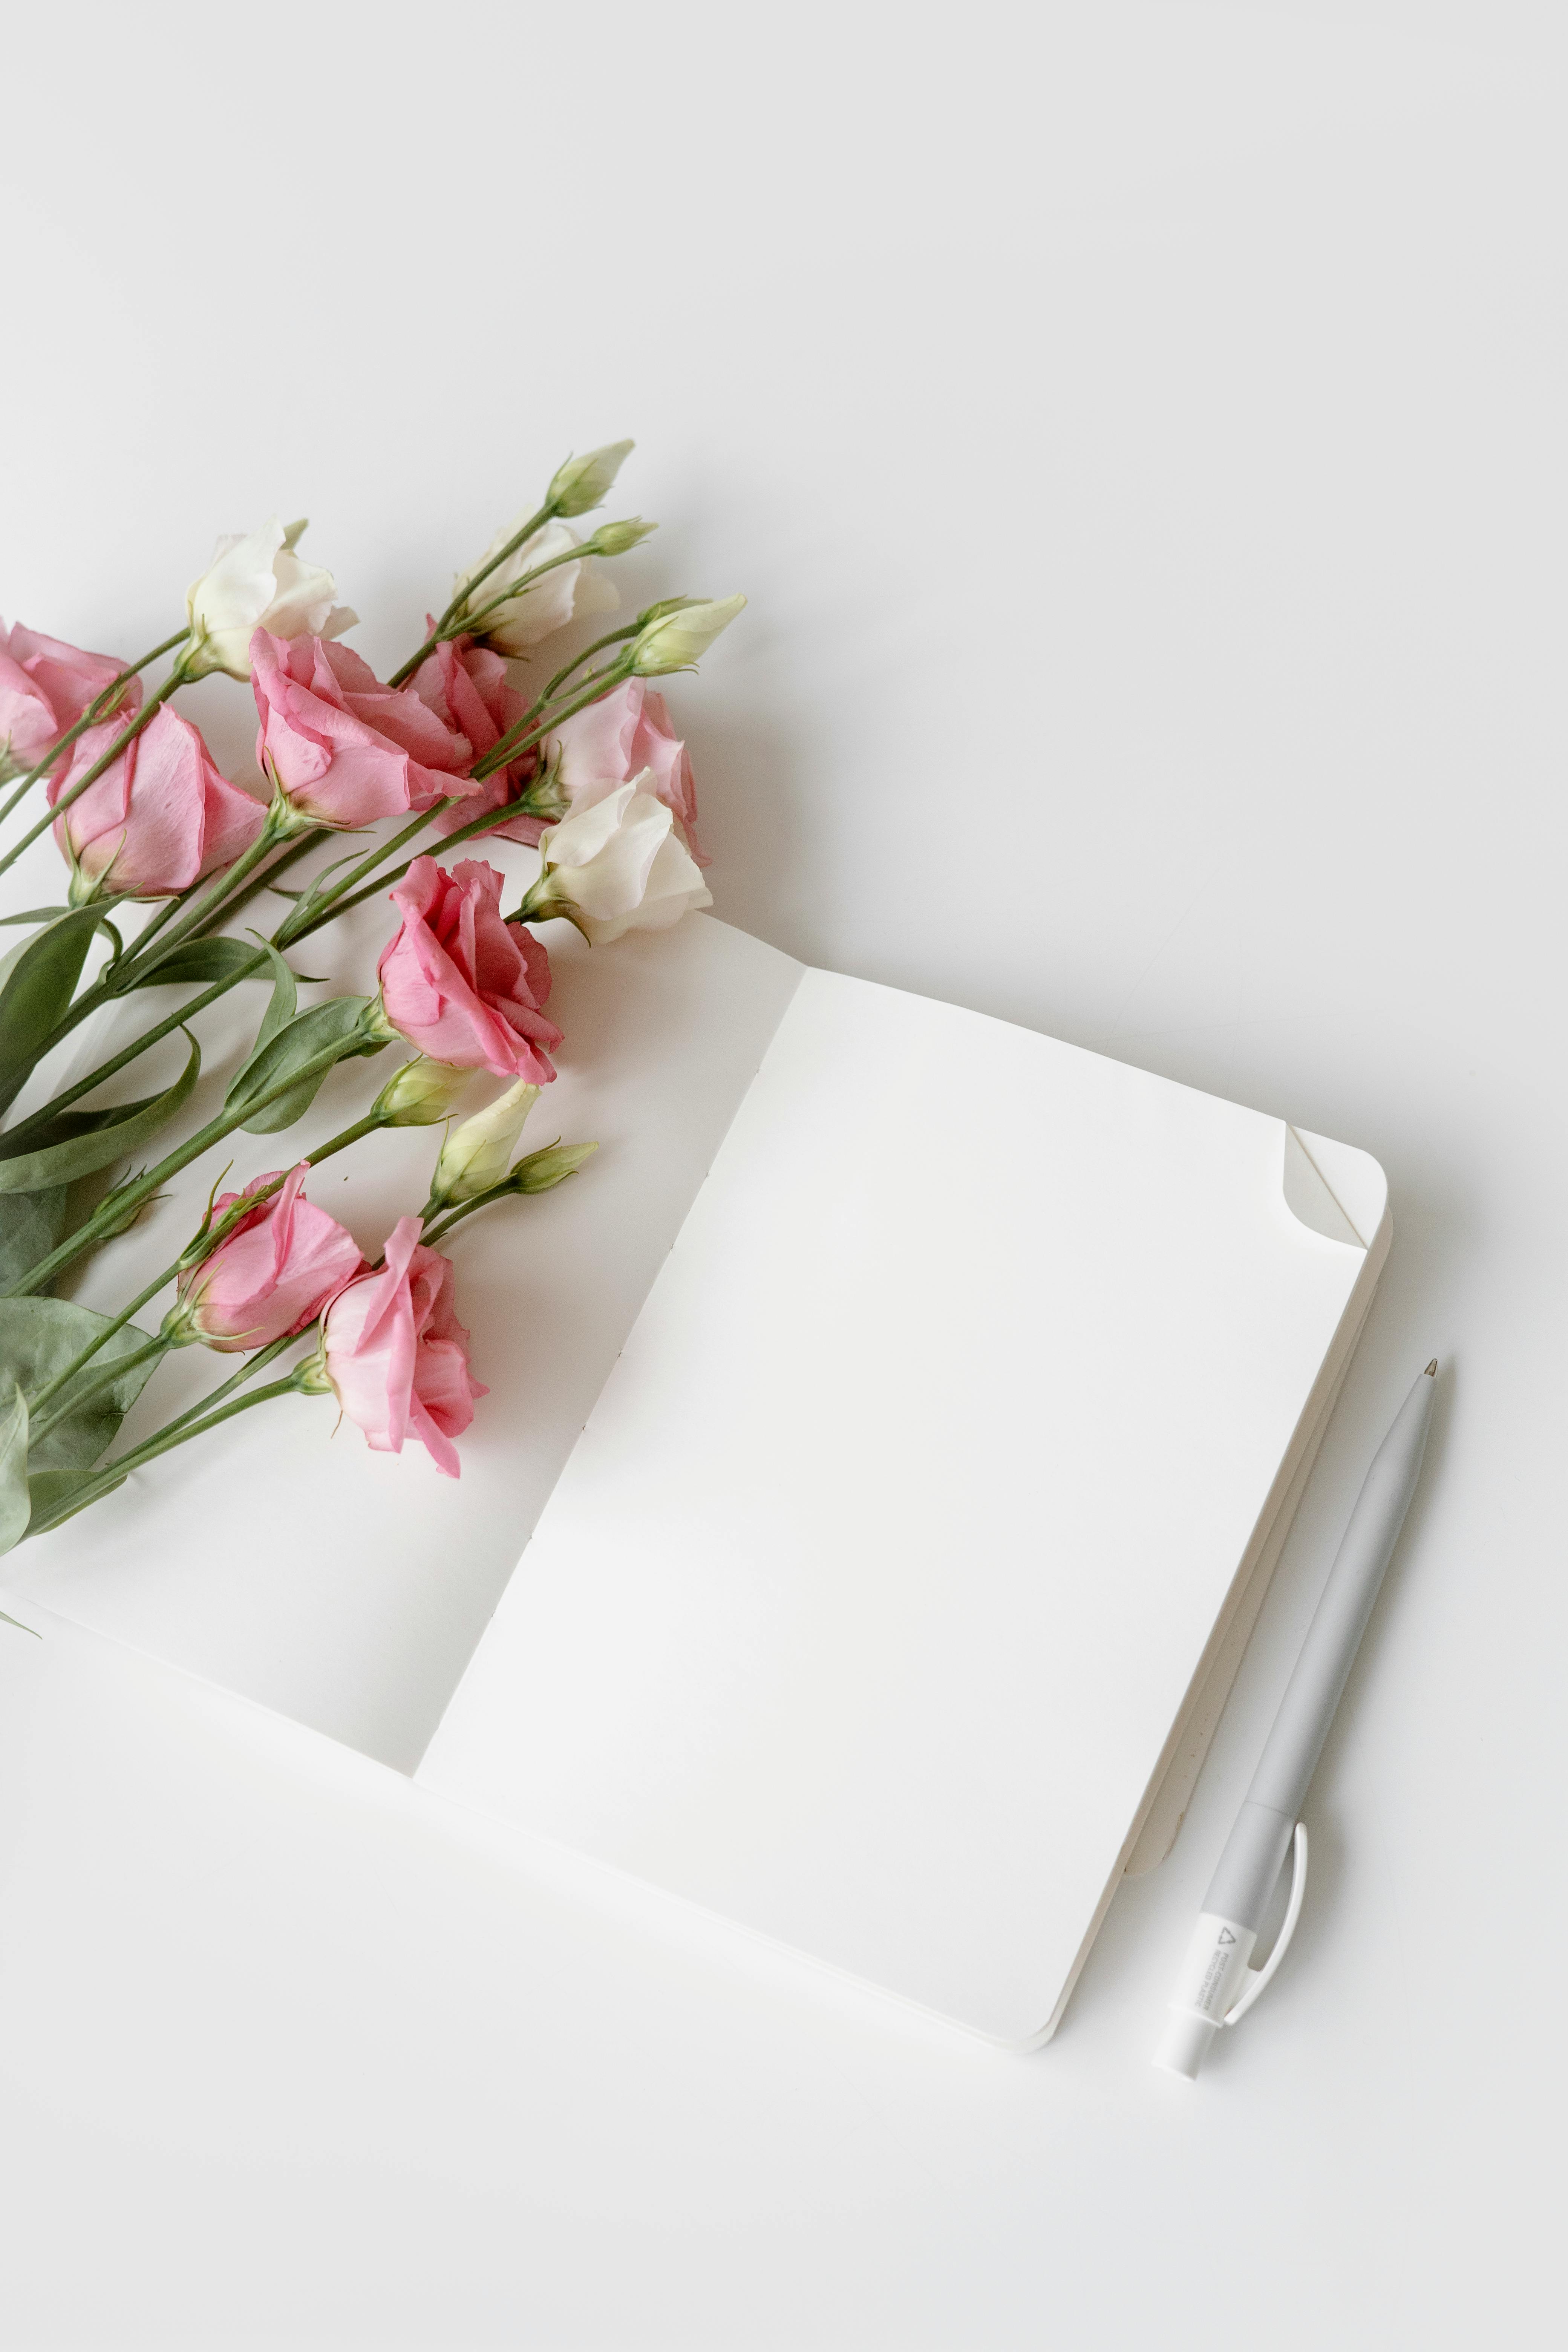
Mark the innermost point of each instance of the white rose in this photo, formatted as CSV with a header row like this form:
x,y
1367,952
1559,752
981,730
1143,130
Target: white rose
x,y
617,864
520,622
256,581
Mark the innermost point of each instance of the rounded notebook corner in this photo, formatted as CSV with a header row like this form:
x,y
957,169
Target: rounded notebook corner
x,y
1333,1189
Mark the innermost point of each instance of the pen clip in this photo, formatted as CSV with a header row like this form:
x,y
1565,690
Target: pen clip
x,y
1258,1978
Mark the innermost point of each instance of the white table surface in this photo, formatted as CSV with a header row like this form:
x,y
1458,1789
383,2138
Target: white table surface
x,y
1141,433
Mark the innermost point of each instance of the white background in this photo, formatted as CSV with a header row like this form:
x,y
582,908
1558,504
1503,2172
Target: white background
x,y
1139,432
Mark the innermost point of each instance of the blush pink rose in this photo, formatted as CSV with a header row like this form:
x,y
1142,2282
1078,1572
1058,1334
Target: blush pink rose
x,y
462,985
272,1274
466,685
158,819
45,687
628,733
396,1355
342,747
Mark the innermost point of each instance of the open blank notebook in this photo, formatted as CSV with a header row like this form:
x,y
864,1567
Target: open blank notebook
x,y
907,1411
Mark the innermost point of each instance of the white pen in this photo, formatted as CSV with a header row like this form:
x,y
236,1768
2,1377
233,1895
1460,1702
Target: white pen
x,y
1210,1991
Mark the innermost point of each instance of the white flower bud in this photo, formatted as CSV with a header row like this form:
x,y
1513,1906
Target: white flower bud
x,y
585,482
256,581
477,1155
677,639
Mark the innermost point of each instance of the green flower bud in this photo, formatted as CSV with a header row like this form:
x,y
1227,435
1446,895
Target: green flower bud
x,y
618,538
585,482
421,1093
542,1169
677,639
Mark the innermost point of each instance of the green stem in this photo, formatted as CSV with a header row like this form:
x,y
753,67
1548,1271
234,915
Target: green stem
x,y
208,902
248,1368
39,1120
150,929
485,822
471,619
442,1220
616,638
372,857
85,1355
534,522
533,724
174,1433
149,710
339,1142
123,1202
99,708
259,882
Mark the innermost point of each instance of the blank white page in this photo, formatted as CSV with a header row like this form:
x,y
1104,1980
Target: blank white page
x,y
875,1585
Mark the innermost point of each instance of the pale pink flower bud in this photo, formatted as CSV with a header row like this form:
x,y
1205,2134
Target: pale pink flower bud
x,y
395,1356
271,1274
158,818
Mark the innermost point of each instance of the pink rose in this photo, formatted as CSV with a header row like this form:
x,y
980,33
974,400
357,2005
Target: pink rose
x,y
344,748
466,686
398,1356
625,734
44,687
155,821
459,983
628,734
272,1274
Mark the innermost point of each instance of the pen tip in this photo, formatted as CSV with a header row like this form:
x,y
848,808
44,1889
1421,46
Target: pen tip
x,y
1432,1367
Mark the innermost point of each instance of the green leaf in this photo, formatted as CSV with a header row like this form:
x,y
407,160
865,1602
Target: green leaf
x,y
37,980
30,1226
309,1035
16,1503
35,915
51,1491
203,960
81,1142
277,1015
39,1337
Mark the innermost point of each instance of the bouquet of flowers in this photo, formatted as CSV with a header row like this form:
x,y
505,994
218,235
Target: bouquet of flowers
x,y
452,747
